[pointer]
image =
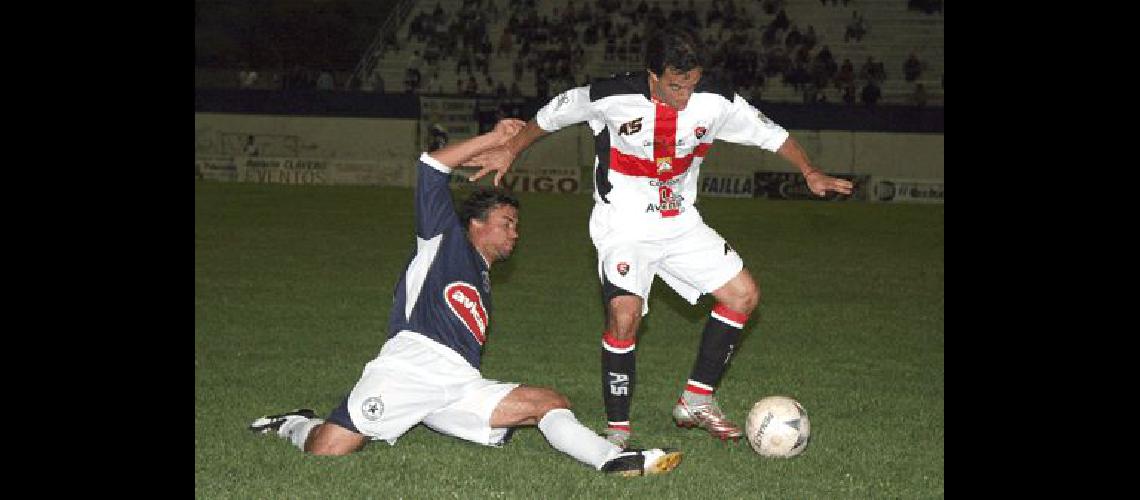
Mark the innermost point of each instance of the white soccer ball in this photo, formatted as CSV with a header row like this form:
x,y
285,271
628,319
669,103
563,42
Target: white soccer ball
x,y
778,427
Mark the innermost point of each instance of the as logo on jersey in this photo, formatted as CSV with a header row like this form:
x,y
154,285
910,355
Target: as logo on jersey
x,y
465,302
622,268
700,132
631,127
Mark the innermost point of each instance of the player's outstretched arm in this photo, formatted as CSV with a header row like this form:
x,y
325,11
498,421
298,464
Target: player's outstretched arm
x,y
819,182
499,159
460,153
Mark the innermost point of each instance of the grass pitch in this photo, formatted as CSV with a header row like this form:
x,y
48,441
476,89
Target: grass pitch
x,y
292,288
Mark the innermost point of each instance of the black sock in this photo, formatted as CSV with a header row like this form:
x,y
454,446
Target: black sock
x,y
618,374
718,340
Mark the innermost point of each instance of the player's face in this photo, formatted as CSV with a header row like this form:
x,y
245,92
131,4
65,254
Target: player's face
x,y
495,238
674,87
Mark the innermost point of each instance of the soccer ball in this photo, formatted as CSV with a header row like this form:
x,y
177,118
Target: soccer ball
x,y
778,427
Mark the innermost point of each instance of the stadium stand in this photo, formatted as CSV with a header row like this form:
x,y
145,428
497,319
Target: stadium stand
x,y
414,34
893,33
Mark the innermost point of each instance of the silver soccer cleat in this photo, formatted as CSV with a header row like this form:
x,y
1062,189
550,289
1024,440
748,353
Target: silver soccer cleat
x,y
618,438
708,417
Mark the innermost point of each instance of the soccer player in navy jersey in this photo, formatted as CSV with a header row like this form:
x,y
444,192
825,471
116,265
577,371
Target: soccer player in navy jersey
x,y
652,130
428,369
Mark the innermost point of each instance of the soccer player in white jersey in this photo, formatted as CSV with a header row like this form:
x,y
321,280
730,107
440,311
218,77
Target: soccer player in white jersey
x,y
652,130
428,369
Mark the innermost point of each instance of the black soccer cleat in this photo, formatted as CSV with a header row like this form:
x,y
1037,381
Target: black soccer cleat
x,y
636,462
273,422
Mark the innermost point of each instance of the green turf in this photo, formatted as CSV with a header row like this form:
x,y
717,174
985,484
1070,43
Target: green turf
x,y
292,287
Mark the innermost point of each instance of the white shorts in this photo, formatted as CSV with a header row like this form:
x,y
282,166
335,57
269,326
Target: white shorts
x,y
415,379
696,262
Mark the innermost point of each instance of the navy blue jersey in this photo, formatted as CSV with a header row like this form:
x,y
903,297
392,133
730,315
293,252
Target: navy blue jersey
x,y
445,293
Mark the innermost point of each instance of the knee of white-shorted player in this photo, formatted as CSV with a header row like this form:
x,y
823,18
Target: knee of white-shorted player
x,y
552,400
741,296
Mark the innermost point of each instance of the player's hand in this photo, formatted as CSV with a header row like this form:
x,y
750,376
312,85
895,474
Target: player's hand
x,y
820,183
505,129
497,159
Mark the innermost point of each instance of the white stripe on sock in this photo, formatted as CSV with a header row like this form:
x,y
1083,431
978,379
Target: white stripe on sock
x,y
727,321
618,350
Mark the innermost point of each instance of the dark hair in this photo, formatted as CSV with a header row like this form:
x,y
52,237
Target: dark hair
x,y
483,200
676,48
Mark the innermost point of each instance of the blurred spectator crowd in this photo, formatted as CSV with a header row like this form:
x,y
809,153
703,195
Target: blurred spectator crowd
x,y
539,52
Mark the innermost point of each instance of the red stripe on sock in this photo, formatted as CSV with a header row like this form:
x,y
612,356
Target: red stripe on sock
x,y
697,390
612,341
619,427
723,310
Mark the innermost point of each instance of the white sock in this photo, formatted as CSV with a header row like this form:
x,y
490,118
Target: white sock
x,y
566,434
297,430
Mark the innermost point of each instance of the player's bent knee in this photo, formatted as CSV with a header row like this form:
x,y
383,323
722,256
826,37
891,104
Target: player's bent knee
x,y
559,401
623,323
623,316
741,294
550,400
338,448
333,440
527,405
743,304
751,298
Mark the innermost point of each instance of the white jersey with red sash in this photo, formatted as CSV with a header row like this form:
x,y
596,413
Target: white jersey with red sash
x,y
648,155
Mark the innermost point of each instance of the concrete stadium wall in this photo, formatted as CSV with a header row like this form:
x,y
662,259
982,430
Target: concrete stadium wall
x,y
377,139
393,144
859,153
